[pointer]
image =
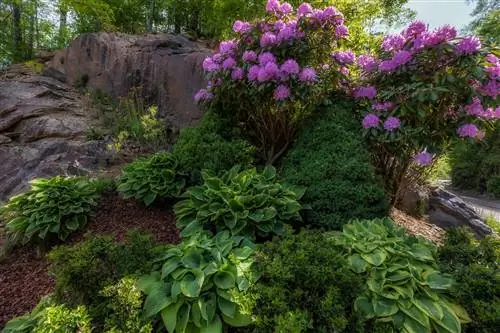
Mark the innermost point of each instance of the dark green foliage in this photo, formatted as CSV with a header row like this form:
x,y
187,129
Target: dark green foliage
x,y
475,267
330,159
198,285
81,271
305,286
27,322
152,178
403,285
248,203
493,186
474,163
211,146
51,208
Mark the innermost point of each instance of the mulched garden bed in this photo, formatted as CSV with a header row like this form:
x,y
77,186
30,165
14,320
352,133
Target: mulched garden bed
x,y
24,278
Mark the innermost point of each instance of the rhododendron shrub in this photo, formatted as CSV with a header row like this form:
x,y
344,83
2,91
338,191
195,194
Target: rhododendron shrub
x,y
276,72
424,89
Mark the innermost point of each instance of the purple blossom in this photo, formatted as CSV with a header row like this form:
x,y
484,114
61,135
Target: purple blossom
x,y
492,89
285,8
367,63
382,106
341,31
266,57
229,63
468,45
253,73
423,158
329,12
494,71
307,74
203,95
446,33
285,34
467,130
475,108
279,25
369,92
387,66
344,57
492,59
218,58
304,9
391,124
210,66
290,67
344,70
268,72
228,47
241,27
237,74
414,29
426,39
393,42
249,56
402,57
370,120
281,92
267,39
272,6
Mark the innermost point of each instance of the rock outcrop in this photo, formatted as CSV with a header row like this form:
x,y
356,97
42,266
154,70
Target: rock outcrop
x,y
42,131
447,210
166,67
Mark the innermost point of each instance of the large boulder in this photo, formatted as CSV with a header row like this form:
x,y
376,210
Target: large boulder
x,y
166,67
42,131
448,210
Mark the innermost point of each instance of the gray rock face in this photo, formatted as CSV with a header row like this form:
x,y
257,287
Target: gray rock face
x,y
166,67
447,210
42,126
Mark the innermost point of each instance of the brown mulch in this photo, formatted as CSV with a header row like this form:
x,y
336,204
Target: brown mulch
x,y
24,278
418,227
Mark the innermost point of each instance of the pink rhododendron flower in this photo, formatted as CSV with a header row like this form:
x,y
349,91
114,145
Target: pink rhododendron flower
x,y
414,29
492,59
367,63
285,8
304,9
281,92
330,12
272,6
494,71
382,106
307,74
468,45
393,42
475,108
228,47
266,57
344,57
369,92
423,158
249,56
391,124
253,73
492,89
203,95
241,27
402,57
279,25
290,67
467,130
446,33
344,70
210,66
370,120
341,31
286,34
237,74
229,63
267,39
268,72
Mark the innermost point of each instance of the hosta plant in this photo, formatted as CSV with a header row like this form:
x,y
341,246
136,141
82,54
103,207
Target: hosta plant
x,y
198,285
152,178
246,203
51,208
403,286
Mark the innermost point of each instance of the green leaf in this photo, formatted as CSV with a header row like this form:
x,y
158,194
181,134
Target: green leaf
x,y
438,281
449,322
417,315
269,172
357,264
243,253
429,307
192,258
149,199
149,283
224,280
156,302
410,325
169,315
384,307
460,312
365,306
213,327
239,320
228,308
375,258
169,266
192,283
183,318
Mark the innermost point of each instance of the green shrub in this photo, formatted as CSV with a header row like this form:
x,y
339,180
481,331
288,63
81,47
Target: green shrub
x,y
124,303
403,285
493,186
53,207
81,271
305,286
329,158
152,178
474,265
61,319
246,203
197,288
212,147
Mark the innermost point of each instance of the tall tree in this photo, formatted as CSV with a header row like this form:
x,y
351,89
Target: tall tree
x,y
486,19
17,41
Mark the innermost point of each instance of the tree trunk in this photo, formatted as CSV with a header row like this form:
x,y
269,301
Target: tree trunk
x,y
151,12
30,47
17,39
63,19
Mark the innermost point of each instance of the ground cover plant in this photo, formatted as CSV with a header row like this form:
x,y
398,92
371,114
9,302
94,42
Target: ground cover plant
x,y
52,208
330,159
247,202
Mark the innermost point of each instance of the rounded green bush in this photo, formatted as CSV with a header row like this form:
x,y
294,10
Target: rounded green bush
x,y
493,186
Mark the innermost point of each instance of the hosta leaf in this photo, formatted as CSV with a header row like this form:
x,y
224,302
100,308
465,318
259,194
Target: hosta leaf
x,y
356,263
183,318
399,275
169,266
149,283
460,312
430,307
192,258
169,315
439,281
227,307
213,327
450,322
239,320
156,302
375,258
384,307
72,223
268,213
410,325
243,252
422,252
149,199
192,283
269,172
417,315
193,227
365,306
224,280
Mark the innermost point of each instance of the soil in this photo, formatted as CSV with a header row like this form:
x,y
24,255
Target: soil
x,y
418,227
24,279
